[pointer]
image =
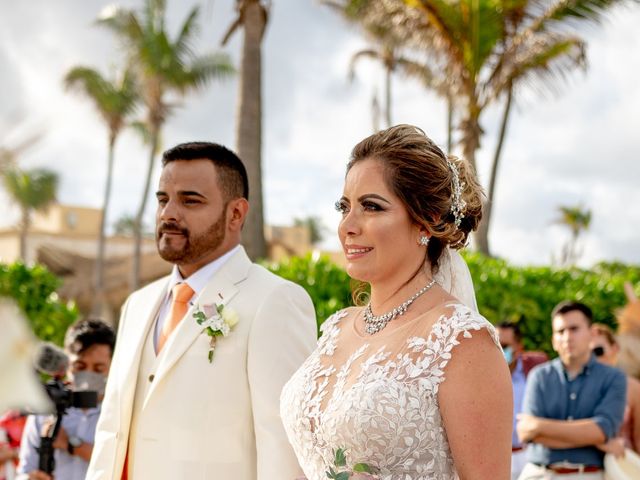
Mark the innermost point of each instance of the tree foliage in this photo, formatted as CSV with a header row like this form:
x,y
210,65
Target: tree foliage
x,y
32,190
525,295
33,288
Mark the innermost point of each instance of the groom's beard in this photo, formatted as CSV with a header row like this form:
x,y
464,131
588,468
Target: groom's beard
x,y
195,246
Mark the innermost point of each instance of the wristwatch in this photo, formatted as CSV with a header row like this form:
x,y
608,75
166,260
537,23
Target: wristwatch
x,y
73,443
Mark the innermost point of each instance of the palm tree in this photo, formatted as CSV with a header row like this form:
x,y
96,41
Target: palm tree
x,y
9,154
161,65
577,220
496,47
253,16
487,49
33,190
390,41
115,101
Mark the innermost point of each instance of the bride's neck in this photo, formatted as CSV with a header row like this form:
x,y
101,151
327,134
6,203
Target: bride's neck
x,y
388,295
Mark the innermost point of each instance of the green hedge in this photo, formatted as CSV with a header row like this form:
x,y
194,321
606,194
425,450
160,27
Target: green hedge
x,y
327,284
504,292
528,294
33,288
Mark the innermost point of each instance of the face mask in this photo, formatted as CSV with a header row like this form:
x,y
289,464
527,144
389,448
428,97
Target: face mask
x,y
508,354
89,381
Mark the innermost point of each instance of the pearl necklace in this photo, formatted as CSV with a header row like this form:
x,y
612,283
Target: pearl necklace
x,y
376,323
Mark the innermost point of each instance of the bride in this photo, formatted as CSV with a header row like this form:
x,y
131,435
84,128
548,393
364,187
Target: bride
x,y
411,385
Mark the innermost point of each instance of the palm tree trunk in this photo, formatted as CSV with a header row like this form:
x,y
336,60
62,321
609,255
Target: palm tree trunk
x,y
137,227
387,93
99,293
483,230
471,131
24,232
249,126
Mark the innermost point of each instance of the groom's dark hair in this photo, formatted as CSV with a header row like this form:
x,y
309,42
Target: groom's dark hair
x,y
231,171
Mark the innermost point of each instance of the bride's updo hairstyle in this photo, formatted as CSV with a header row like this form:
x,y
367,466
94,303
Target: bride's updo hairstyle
x,y
440,192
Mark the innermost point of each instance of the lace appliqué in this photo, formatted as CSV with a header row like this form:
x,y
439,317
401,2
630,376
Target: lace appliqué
x,y
383,405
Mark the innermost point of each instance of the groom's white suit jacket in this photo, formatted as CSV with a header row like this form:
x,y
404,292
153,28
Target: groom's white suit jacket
x,y
185,418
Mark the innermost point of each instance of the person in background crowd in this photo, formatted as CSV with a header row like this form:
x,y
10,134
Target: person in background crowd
x,y
520,364
89,345
11,427
573,404
606,349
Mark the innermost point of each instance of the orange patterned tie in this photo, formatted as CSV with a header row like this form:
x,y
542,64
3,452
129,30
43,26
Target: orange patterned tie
x,y
181,294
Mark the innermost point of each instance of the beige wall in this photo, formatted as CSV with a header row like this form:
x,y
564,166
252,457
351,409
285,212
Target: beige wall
x,y
295,239
9,247
85,246
68,220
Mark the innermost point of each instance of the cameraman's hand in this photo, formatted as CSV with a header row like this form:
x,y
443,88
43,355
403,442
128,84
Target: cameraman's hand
x,y
39,475
62,440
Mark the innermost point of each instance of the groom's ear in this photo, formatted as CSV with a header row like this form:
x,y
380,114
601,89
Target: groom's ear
x,y
237,210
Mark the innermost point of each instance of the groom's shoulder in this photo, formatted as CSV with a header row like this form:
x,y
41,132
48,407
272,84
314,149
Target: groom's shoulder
x,y
269,280
151,289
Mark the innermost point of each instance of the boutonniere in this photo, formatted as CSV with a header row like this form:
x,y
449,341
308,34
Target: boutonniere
x,y
217,320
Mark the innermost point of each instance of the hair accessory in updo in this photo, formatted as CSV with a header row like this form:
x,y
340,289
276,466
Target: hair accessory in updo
x,y
458,204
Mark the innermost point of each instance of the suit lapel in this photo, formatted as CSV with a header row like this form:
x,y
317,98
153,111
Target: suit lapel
x,y
221,289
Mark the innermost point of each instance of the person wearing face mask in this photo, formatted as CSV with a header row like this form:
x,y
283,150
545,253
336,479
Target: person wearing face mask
x,y
520,364
89,345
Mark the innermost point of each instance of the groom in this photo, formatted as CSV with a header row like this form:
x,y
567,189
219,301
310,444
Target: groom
x,y
175,406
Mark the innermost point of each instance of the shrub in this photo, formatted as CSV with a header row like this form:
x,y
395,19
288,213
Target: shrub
x,y
33,289
326,283
525,295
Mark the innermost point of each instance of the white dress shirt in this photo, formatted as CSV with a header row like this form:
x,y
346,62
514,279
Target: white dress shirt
x,y
197,281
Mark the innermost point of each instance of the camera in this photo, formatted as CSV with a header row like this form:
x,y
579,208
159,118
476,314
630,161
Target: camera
x,y
53,361
64,398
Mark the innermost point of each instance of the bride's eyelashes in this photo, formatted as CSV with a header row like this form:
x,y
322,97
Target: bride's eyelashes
x,y
343,206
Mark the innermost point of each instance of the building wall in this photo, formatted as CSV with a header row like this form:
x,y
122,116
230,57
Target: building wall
x,y
86,246
9,248
68,220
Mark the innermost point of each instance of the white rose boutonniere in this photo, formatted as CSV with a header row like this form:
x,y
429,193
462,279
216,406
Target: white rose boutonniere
x,y
217,321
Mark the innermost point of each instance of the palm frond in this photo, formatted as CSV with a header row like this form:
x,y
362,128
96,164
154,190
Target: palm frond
x,y
539,63
33,189
188,30
114,100
231,30
203,69
422,72
123,22
366,53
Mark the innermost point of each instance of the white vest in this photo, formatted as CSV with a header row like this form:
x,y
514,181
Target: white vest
x,y
148,364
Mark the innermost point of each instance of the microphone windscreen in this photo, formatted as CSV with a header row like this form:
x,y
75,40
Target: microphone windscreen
x,y
51,360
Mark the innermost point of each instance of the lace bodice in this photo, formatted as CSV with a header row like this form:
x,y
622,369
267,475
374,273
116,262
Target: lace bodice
x,y
377,396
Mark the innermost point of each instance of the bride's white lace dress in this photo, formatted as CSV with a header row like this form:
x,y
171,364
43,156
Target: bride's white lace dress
x,y
377,396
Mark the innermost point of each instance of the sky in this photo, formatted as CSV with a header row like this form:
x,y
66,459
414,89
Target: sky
x,y
580,146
